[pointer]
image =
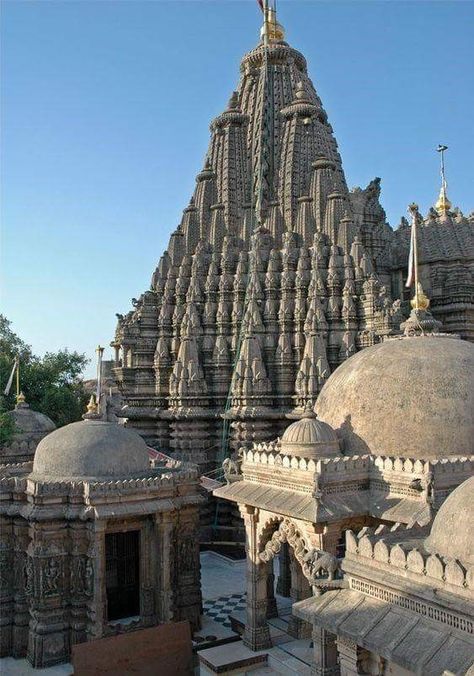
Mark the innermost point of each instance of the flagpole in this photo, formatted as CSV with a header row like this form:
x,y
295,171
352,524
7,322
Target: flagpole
x,y
17,376
413,209
100,352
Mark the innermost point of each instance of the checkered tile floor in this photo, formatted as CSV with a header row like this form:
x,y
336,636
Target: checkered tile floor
x,y
220,609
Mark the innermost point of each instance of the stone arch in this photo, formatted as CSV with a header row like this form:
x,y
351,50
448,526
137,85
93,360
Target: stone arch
x,y
287,531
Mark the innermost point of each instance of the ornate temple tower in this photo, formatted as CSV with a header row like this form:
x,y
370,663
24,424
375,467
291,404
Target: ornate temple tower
x,y
276,274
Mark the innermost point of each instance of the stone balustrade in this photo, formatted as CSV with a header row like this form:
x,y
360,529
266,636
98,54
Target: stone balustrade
x,y
371,544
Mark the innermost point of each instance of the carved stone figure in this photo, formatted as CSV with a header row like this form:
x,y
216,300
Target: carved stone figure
x,y
318,561
51,576
231,470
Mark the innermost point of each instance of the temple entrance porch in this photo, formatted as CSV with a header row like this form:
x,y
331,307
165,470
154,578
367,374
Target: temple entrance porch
x,y
275,548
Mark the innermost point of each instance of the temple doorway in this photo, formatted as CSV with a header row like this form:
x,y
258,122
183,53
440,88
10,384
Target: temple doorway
x,y
122,575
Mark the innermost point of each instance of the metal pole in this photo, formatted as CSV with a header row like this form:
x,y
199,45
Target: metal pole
x,y
415,256
18,376
100,352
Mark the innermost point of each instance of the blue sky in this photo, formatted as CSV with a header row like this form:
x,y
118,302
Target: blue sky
x,y
105,113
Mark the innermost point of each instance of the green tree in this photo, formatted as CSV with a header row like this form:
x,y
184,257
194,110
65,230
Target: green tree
x,y
52,384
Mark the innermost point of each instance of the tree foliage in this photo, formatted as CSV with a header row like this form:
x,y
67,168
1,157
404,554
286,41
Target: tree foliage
x,y
52,384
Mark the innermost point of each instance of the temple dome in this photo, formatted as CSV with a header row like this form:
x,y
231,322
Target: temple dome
x,y
410,397
29,421
91,449
309,438
452,532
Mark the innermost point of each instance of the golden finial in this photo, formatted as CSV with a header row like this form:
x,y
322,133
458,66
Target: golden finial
x,y
271,30
92,405
20,398
443,205
420,301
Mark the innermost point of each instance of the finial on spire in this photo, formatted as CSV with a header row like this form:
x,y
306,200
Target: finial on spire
x,y
443,205
20,398
271,30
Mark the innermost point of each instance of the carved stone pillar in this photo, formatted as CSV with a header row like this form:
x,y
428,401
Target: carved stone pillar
x,y
330,538
300,590
164,594
80,582
187,600
6,587
325,662
257,632
96,565
348,656
48,587
147,568
284,577
21,611
272,610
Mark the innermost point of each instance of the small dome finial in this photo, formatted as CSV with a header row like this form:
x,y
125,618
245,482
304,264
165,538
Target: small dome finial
x,y
21,400
92,409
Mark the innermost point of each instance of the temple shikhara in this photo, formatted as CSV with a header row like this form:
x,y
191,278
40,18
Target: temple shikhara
x,y
277,273
298,376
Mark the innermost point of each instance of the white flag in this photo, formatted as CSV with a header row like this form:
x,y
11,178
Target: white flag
x,y
10,379
411,258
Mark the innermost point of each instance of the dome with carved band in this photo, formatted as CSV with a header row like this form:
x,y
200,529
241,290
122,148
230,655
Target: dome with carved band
x,y
410,397
309,438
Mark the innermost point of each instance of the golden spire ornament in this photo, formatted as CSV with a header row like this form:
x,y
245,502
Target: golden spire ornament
x,y
443,205
271,30
92,406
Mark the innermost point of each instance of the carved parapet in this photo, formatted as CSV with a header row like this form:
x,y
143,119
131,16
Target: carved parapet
x,y
374,543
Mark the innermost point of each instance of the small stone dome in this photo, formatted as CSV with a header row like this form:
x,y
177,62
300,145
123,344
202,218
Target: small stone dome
x,y
452,532
410,397
91,449
309,438
30,422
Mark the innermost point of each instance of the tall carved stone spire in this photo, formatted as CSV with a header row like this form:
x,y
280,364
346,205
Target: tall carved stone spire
x,y
259,294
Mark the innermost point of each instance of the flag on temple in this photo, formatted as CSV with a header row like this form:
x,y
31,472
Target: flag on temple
x,y
260,2
411,257
10,379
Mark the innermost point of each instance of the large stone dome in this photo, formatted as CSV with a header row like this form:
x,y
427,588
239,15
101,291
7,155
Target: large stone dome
x,y
452,532
309,438
411,397
91,449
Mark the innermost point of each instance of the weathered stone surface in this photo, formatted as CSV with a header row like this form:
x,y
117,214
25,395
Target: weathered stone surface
x,y
410,397
91,449
446,537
